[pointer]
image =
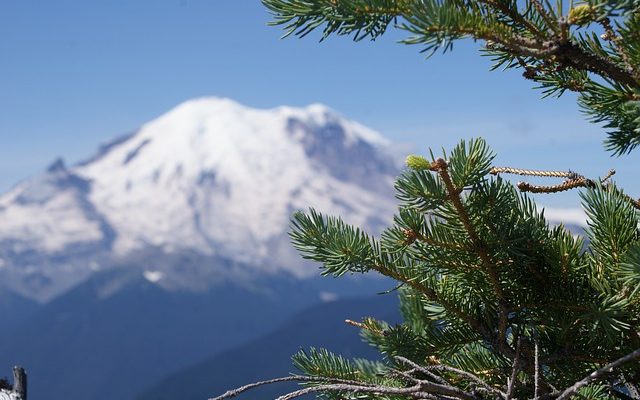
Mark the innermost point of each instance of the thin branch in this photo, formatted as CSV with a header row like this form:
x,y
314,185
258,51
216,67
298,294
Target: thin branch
x,y
433,296
544,14
350,388
411,236
610,35
415,391
422,369
604,179
514,372
515,17
567,185
536,377
599,374
405,374
447,368
573,181
531,172
569,54
293,378
572,55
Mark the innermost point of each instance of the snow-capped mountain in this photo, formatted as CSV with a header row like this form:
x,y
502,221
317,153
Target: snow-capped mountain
x,y
209,179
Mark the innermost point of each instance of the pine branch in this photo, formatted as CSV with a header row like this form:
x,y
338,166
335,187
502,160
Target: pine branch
x,y
433,296
441,166
532,172
418,391
541,39
612,36
598,374
516,17
574,180
423,370
422,389
461,373
514,372
536,378
293,378
571,55
568,185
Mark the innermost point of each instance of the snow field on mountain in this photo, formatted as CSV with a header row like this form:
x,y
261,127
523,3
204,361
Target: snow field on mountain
x,y
210,178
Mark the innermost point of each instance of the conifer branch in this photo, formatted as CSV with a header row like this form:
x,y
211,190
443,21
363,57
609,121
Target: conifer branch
x,y
571,55
598,374
540,39
419,391
421,388
432,295
515,17
573,181
412,236
568,55
568,185
550,21
531,172
610,35
536,374
441,166
446,368
514,371
292,378
423,370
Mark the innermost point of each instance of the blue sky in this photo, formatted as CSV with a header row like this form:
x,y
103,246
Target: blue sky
x,y
74,74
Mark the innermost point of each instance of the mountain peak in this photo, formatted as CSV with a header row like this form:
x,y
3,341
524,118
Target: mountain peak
x,y
207,104
57,165
316,114
211,179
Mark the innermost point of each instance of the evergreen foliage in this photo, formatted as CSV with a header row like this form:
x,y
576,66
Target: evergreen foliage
x,y
496,302
592,48
486,280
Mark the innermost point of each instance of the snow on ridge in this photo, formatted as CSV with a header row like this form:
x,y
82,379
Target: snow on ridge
x,y
153,276
47,212
50,226
321,114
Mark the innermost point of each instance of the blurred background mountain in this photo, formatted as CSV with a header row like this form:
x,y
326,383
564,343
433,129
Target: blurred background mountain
x,y
170,245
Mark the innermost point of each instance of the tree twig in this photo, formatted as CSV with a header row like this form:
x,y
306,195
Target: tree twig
x,y
442,367
416,391
424,370
514,372
599,374
536,377
293,378
574,180
532,172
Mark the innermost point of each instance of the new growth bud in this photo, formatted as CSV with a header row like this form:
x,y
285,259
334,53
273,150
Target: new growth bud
x,y
417,162
581,15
